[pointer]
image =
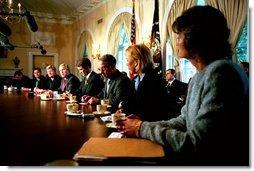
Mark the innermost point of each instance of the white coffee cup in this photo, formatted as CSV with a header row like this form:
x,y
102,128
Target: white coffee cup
x,y
105,102
10,88
72,98
72,107
55,94
117,116
101,108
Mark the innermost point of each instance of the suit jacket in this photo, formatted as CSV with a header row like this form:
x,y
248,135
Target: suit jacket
x,y
176,89
120,90
91,87
72,85
24,82
150,98
54,84
41,84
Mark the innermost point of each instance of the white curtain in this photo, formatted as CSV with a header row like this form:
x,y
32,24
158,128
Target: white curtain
x,y
176,10
113,39
235,12
85,38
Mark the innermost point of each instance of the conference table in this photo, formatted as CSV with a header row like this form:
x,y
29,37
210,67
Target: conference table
x,y
36,132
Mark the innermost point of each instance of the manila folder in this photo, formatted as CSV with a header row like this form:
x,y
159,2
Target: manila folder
x,y
119,147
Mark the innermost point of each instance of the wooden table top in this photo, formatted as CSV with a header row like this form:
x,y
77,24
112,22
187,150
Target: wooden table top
x,y
35,132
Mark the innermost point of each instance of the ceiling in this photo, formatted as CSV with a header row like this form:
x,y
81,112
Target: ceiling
x,y
60,9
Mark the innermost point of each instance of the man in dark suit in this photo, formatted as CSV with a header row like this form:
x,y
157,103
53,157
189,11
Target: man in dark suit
x,y
176,91
118,88
20,80
39,82
53,80
69,82
92,84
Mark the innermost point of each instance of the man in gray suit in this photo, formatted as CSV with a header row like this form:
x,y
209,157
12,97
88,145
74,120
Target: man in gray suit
x,y
118,87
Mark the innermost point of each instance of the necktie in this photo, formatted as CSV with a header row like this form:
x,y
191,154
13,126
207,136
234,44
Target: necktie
x,y
63,85
37,83
107,87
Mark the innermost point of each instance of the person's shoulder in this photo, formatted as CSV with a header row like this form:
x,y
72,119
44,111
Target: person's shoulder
x,y
223,66
42,77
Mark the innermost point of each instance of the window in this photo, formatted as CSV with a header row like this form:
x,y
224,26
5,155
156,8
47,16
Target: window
x,y
169,55
242,45
201,2
123,43
187,70
85,53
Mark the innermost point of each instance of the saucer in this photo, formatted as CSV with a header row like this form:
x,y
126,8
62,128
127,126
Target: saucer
x,y
105,113
74,101
46,99
110,125
78,113
82,103
58,99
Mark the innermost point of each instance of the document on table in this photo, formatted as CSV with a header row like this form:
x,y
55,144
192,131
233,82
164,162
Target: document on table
x,y
97,147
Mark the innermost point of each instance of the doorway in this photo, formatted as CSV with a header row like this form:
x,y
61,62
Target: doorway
x,y
36,59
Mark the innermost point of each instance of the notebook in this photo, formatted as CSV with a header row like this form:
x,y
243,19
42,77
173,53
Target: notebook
x,y
102,148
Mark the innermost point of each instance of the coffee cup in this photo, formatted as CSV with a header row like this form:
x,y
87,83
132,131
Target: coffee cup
x,y
72,98
72,107
10,88
117,116
105,102
55,95
101,108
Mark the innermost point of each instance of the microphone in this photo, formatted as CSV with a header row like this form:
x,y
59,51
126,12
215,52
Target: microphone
x,y
31,22
4,42
5,29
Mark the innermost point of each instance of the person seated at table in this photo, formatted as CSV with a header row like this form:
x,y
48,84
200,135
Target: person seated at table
x,y
69,83
117,89
149,89
213,128
53,79
92,84
39,82
175,90
20,80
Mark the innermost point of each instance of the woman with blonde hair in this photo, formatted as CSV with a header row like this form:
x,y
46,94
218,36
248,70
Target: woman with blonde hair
x,y
149,94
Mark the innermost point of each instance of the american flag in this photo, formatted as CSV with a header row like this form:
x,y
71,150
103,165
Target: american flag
x,y
155,38
155,35
133,25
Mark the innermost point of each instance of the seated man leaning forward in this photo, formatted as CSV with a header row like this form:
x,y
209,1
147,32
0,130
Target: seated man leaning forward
x,y
213,128
117,89
92,84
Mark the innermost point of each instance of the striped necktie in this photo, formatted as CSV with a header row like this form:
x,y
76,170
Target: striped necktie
x,y
63,84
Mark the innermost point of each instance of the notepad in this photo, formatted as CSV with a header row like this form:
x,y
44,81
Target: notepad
x,y
119,147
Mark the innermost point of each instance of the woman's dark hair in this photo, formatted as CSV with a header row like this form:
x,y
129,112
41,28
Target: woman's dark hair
x,y
206,32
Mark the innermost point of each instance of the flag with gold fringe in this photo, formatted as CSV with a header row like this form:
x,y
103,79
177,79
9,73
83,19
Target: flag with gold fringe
x,y
133,25
155,38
